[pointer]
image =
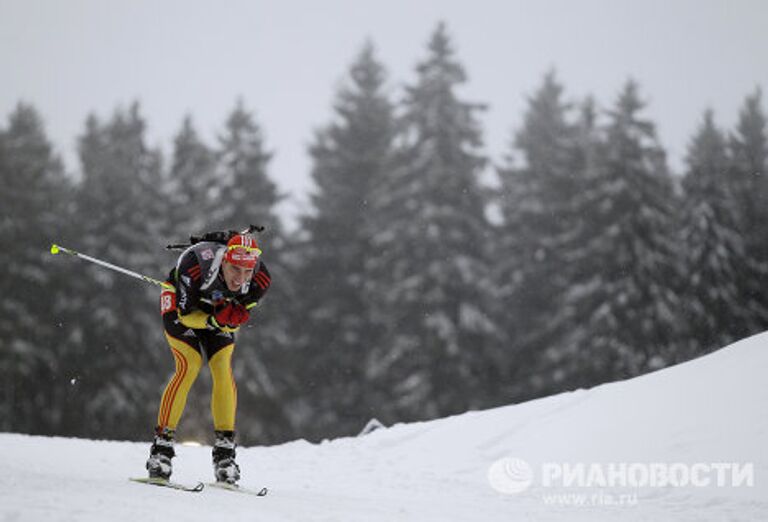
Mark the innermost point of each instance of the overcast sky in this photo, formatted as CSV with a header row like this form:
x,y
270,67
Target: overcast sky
x,y
286,59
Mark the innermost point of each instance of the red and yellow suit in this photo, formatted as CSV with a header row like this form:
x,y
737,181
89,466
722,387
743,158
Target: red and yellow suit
x,y
199,291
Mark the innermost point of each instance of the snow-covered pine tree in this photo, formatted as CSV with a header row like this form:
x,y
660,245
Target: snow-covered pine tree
x,y
749,152
625,277
748,181
539,216
717,310
243,191
115,353
243,194
33,213
350,156
431,272
190,183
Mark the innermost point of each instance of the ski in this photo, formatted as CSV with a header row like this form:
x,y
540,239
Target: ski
x,y
169,484
234,487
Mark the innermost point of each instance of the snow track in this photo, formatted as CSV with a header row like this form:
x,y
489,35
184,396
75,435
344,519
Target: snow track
x,y
713,409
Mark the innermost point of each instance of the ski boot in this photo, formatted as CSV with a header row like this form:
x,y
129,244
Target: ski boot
x,y
160,455
224,466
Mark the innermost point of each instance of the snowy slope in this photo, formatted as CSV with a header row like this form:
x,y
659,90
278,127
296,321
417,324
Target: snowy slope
x,y
714,409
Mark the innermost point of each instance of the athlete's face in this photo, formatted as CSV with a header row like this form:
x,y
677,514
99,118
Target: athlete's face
x,y
235,276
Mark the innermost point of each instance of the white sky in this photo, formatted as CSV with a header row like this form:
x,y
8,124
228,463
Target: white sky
x,y
287,57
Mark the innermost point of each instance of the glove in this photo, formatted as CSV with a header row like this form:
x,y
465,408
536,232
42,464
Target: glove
x,y
232,316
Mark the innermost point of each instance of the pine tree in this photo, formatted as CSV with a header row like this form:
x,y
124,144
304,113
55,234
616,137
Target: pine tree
x,y
116,357
575,246
431,273
625,279
350,156
749,150
718,312
191,182
243,191
33,205
539,216
748,181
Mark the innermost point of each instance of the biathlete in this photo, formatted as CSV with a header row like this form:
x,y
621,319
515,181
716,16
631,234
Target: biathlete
x,y
215,286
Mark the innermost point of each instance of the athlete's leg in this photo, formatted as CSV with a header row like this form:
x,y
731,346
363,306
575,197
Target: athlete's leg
x,y
188,364
186,353
219,347
224,393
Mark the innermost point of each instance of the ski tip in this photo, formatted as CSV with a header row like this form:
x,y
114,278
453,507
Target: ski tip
x,y
239,489
55,249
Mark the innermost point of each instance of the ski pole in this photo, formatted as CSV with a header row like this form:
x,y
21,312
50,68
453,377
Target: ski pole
x,y
56,249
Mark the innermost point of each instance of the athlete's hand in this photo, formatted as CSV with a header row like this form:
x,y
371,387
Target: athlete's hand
x,y
232,315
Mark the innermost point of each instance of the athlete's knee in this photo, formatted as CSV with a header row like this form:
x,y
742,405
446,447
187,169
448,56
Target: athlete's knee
x,y
195,363
221,363
188,359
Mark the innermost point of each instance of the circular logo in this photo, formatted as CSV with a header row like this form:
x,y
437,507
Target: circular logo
x,y
509,475
217,296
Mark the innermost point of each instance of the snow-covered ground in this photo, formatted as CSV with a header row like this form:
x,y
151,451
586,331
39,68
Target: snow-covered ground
x,y
690,420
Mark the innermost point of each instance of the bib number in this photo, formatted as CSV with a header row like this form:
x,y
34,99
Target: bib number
x,y
167,301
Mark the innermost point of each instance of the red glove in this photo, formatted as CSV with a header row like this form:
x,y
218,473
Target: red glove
x,y
232,315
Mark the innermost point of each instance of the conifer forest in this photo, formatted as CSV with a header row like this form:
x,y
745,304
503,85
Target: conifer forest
x,y
411,287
